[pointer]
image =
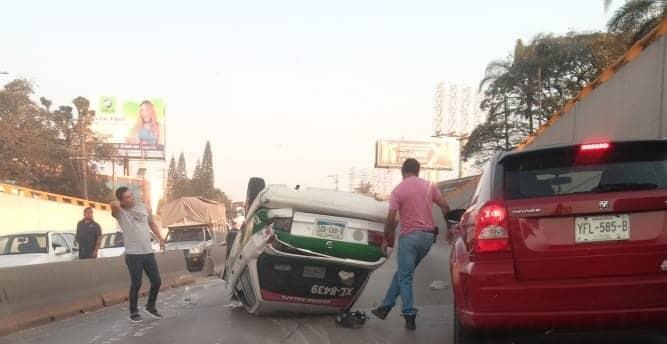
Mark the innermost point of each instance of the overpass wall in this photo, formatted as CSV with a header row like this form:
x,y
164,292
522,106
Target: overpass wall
x,y
22,214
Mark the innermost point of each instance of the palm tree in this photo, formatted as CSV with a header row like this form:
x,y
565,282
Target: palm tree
x,y
636,18
495,71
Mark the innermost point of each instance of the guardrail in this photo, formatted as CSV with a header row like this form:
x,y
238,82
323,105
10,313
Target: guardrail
x,y
47,196
37,294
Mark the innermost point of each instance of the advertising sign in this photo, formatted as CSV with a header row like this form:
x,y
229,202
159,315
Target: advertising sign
x,y
432,155
140,188
136,127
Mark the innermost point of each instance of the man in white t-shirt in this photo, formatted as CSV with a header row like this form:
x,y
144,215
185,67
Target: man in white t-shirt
x,y
136,222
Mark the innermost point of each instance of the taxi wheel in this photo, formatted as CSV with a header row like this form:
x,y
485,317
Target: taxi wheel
x,y
255,186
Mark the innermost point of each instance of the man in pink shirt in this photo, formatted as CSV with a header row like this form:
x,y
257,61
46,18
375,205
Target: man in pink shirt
x,y
413,200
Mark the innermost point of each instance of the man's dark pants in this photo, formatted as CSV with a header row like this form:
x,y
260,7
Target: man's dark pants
x,y
85,254
137,264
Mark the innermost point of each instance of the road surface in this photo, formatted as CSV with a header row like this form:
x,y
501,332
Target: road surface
x,y
200,314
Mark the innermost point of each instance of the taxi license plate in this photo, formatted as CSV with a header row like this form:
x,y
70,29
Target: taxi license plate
x,y
602,228
329,229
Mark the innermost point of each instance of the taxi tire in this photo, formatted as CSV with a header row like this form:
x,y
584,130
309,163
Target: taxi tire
x,y
255,186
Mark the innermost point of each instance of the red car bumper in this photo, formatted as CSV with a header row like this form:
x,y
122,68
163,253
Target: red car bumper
x,y
488,296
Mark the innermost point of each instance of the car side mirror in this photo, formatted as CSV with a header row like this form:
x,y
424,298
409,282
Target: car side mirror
x,y
454,216
59,250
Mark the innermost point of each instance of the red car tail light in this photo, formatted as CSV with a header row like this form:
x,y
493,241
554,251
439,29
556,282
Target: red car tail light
x,y
491,228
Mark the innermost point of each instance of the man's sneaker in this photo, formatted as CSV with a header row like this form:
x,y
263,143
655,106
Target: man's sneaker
x,y
410,322
154,313
136,318
381,312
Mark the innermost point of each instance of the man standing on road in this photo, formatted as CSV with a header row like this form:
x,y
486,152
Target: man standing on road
x,y
88,235
233,232
136,222
413,201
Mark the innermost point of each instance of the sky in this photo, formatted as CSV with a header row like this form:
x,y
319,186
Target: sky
x,y
293,91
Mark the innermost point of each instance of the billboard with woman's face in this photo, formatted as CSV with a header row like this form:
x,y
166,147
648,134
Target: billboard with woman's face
x,y
134,126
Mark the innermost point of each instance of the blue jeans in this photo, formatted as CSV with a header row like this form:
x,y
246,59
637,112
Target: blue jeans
x,y
412,248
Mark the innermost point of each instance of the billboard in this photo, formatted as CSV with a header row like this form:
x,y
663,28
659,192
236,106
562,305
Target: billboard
x,y
140,188
136,127
441,154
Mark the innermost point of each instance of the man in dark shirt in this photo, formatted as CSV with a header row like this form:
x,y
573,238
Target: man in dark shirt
x,y
88,235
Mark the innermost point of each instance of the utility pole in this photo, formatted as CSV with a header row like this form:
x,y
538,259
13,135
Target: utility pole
x,y
334,177
84,162
539,94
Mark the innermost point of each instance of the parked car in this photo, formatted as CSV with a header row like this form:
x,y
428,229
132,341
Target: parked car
x,y
37,248
195,241
305,250
567,237
113,246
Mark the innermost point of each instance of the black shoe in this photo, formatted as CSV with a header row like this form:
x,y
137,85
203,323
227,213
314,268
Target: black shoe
x,y
410,322
381,312
136,318
351,319
154,313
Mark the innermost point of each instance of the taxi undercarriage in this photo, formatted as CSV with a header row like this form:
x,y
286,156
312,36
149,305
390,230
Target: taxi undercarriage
x,y
305,250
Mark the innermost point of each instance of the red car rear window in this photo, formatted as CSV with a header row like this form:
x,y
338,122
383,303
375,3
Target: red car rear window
x,y
563,171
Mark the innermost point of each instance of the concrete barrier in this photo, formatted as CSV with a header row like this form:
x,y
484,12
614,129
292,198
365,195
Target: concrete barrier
x,y
215,262
37,294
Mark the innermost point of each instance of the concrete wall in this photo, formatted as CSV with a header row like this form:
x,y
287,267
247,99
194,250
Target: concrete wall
x,y
36,294
628,106
22,214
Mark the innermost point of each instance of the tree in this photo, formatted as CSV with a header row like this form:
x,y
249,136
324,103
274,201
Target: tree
x,y
41,148
83,123
181,182
636,18
201,184
171,178
207,174
524,90
197,183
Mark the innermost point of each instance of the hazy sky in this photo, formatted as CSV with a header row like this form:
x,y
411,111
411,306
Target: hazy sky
x,y
289,90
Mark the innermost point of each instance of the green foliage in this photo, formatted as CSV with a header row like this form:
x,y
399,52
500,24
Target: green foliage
x,y
200,185
207,175
171,177
525,90
40,147
636,18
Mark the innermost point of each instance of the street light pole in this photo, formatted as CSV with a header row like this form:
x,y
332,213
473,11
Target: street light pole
x,y
84,163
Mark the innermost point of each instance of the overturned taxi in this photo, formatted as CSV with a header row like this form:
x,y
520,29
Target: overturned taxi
x,y
305,250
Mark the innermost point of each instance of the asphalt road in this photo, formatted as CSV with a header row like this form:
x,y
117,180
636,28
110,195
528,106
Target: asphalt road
x,y
200,314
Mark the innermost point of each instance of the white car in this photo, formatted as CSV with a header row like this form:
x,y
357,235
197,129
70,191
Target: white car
x,y
113,246
37,248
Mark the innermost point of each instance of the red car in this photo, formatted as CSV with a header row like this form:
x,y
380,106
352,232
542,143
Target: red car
x,y
569,237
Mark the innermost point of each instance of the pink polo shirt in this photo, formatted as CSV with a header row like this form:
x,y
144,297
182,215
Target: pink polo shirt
x,y
414,198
